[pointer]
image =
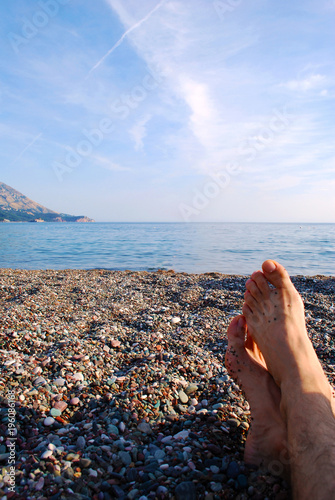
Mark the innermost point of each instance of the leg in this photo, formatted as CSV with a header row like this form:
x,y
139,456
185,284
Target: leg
x,y
275,319
267,436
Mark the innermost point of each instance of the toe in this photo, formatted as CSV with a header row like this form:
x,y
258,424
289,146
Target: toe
x,y
236,331
247,312
252,287
236,354
251,301
276,274
262,283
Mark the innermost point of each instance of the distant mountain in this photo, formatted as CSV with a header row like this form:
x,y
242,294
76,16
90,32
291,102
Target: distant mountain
x,y
15,207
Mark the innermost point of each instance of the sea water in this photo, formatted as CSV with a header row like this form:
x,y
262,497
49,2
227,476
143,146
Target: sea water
x,y
232,248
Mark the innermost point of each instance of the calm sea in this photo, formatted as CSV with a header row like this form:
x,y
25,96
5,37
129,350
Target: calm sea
x,y
234,248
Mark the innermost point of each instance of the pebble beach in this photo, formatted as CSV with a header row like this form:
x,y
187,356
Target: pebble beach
x,y
120,387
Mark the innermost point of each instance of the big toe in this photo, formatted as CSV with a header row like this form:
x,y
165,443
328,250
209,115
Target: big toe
x,y
236,332
276,274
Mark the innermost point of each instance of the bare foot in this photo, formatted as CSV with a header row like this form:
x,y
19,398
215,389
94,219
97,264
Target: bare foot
x,y
276,321
267,437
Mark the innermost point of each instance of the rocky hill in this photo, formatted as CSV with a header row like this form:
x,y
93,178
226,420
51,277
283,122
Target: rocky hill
x,y
16,207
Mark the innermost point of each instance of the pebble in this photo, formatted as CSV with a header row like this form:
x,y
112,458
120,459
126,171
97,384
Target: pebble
x,y
49,421
74,401
183,397
59,382
140,407
191,388
54,412
81,443
145,428
186,491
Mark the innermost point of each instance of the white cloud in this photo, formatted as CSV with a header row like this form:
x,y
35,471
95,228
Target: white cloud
x,y
108,164
139,131
312,82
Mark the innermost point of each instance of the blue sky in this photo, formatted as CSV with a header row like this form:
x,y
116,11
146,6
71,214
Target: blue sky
x,y
175,110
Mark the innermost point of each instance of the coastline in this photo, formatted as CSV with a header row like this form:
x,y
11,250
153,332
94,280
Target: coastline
x,y
120,385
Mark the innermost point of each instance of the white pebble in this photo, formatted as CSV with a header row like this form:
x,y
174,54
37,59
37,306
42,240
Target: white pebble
x,y
60,382
48,421
181,435
47,454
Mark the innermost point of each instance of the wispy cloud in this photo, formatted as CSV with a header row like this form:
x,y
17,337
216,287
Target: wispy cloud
x,y
312,82
106,163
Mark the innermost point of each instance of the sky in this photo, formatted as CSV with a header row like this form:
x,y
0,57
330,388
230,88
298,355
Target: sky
x,y
170,110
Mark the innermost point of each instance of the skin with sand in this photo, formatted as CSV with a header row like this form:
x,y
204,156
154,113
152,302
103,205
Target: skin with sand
x,y
292,403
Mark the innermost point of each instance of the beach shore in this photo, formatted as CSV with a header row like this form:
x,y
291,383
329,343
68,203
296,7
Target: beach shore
x,y
120,388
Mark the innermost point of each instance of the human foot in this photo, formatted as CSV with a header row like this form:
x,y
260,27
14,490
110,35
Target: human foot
x,y
266,441
275,319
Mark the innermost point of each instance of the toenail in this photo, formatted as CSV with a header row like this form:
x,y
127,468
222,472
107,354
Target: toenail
x,y
270,266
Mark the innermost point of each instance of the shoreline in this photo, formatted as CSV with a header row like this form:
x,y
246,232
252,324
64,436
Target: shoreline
x,y
158,270
120,386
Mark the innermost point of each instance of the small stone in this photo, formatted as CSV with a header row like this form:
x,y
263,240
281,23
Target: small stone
x,y
242,480
125,457
92,473
47,454
115,343
244,425
74,401
191,388
181,435
216,487
69,473
60,382
49,421
162,490
233,422
145,428
186,491
85,462
54,412
112,429
72,456
60,405
40,381
81,443
40,484
159,454
183,397
175,320
233,470
218,406
78,377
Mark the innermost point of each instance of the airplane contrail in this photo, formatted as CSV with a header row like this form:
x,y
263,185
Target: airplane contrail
x,y
27,147
126,33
